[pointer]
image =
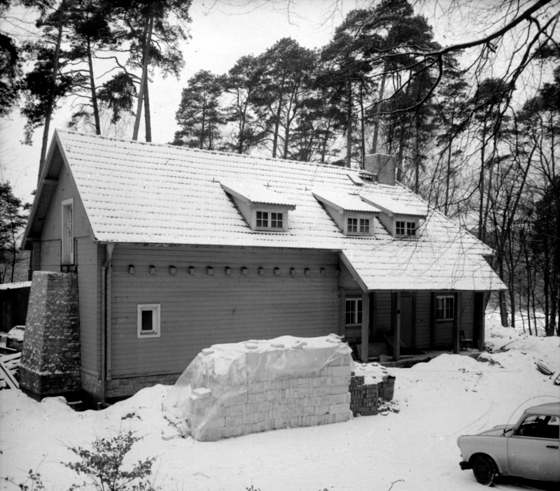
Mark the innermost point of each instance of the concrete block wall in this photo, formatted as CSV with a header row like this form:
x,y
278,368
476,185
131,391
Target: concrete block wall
x,y
364,397
265,399
50,360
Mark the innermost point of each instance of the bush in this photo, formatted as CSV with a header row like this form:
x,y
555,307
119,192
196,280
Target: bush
x,y
103,465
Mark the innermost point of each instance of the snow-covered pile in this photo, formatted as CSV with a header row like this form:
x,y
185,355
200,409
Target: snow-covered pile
x,y
241,388
414,449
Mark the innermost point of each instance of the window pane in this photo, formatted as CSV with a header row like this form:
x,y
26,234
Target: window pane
x,y
350,311
262,219
400,228
352,225
276,220
364,226
353,311
410,228
147,320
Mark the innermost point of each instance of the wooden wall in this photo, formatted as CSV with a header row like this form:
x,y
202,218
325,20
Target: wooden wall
x,y
199,310
88,262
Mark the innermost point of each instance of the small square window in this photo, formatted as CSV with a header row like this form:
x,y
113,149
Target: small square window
x,y
364,226
352,225
276,220
262,219
149,321
399,228
445,308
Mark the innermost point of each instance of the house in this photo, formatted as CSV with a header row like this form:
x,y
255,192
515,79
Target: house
x,y
170,250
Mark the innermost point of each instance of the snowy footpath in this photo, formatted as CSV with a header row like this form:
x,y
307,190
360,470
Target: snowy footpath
x,y
412,449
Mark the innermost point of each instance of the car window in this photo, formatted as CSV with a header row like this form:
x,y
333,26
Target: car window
x,y
539,427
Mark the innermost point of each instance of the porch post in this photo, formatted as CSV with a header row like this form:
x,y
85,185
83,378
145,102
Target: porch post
x,y
433,325
342,313
481,319
364,355
397,327
457,323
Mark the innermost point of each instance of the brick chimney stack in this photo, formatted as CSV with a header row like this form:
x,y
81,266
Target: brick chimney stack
x,y
383,166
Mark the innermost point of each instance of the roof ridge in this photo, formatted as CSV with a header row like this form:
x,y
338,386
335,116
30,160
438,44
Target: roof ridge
x,y
208,152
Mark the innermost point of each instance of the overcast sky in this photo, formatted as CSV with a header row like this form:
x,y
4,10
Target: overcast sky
x,y
220,34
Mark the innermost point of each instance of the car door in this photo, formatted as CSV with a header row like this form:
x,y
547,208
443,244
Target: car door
x,y
534,449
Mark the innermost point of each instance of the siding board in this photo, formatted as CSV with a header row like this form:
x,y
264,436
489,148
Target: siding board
x,y
199,310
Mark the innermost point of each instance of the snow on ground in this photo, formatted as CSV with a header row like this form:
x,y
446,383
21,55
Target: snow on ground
x,y
414,449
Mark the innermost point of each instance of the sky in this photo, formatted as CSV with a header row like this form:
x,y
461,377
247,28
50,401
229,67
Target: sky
x,y
221,33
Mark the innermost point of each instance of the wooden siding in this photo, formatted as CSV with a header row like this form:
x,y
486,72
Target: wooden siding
x,y
200,310
383,313
89,280
423,320
444,329
87,259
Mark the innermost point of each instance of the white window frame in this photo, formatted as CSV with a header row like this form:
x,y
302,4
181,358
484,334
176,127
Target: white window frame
x,y
67,256
406,226
155,308
268,217
445,299
358,225
358,312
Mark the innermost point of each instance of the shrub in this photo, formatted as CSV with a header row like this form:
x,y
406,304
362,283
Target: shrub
x,y
103,465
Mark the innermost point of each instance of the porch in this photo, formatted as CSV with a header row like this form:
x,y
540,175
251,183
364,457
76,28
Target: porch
x,y
409,326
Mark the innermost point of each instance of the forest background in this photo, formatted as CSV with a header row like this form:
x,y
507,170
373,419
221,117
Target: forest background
x,y
465,94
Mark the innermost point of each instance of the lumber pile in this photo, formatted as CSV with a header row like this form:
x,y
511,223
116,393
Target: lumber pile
x,y
9,366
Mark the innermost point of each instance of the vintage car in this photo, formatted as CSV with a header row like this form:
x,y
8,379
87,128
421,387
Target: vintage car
x,y
529,449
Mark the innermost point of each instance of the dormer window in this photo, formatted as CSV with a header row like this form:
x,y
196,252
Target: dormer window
x,y
401,217
350,213
358,226
272,220
264,210
403,228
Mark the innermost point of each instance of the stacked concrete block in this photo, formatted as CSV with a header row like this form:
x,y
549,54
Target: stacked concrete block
x,y
365,395
280,384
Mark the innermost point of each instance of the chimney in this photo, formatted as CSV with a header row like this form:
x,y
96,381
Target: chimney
x,y
383,166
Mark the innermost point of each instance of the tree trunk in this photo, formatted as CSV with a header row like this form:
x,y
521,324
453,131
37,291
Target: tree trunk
x,y
147,39
349,127
147,116
378,112
447,180
481,231
50,103
363,128
93,90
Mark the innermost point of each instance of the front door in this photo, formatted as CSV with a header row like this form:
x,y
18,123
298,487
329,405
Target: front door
x,y
407,320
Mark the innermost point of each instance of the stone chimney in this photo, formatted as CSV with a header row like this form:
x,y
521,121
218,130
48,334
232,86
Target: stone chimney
x,y
383,166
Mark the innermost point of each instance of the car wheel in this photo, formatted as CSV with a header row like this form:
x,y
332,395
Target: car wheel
x,y
484,470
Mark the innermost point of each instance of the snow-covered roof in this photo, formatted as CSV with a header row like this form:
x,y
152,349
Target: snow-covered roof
x,y
255,192
344,201
396,203
137,192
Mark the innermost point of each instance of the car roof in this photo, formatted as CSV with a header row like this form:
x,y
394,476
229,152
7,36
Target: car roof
x,y
550,409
